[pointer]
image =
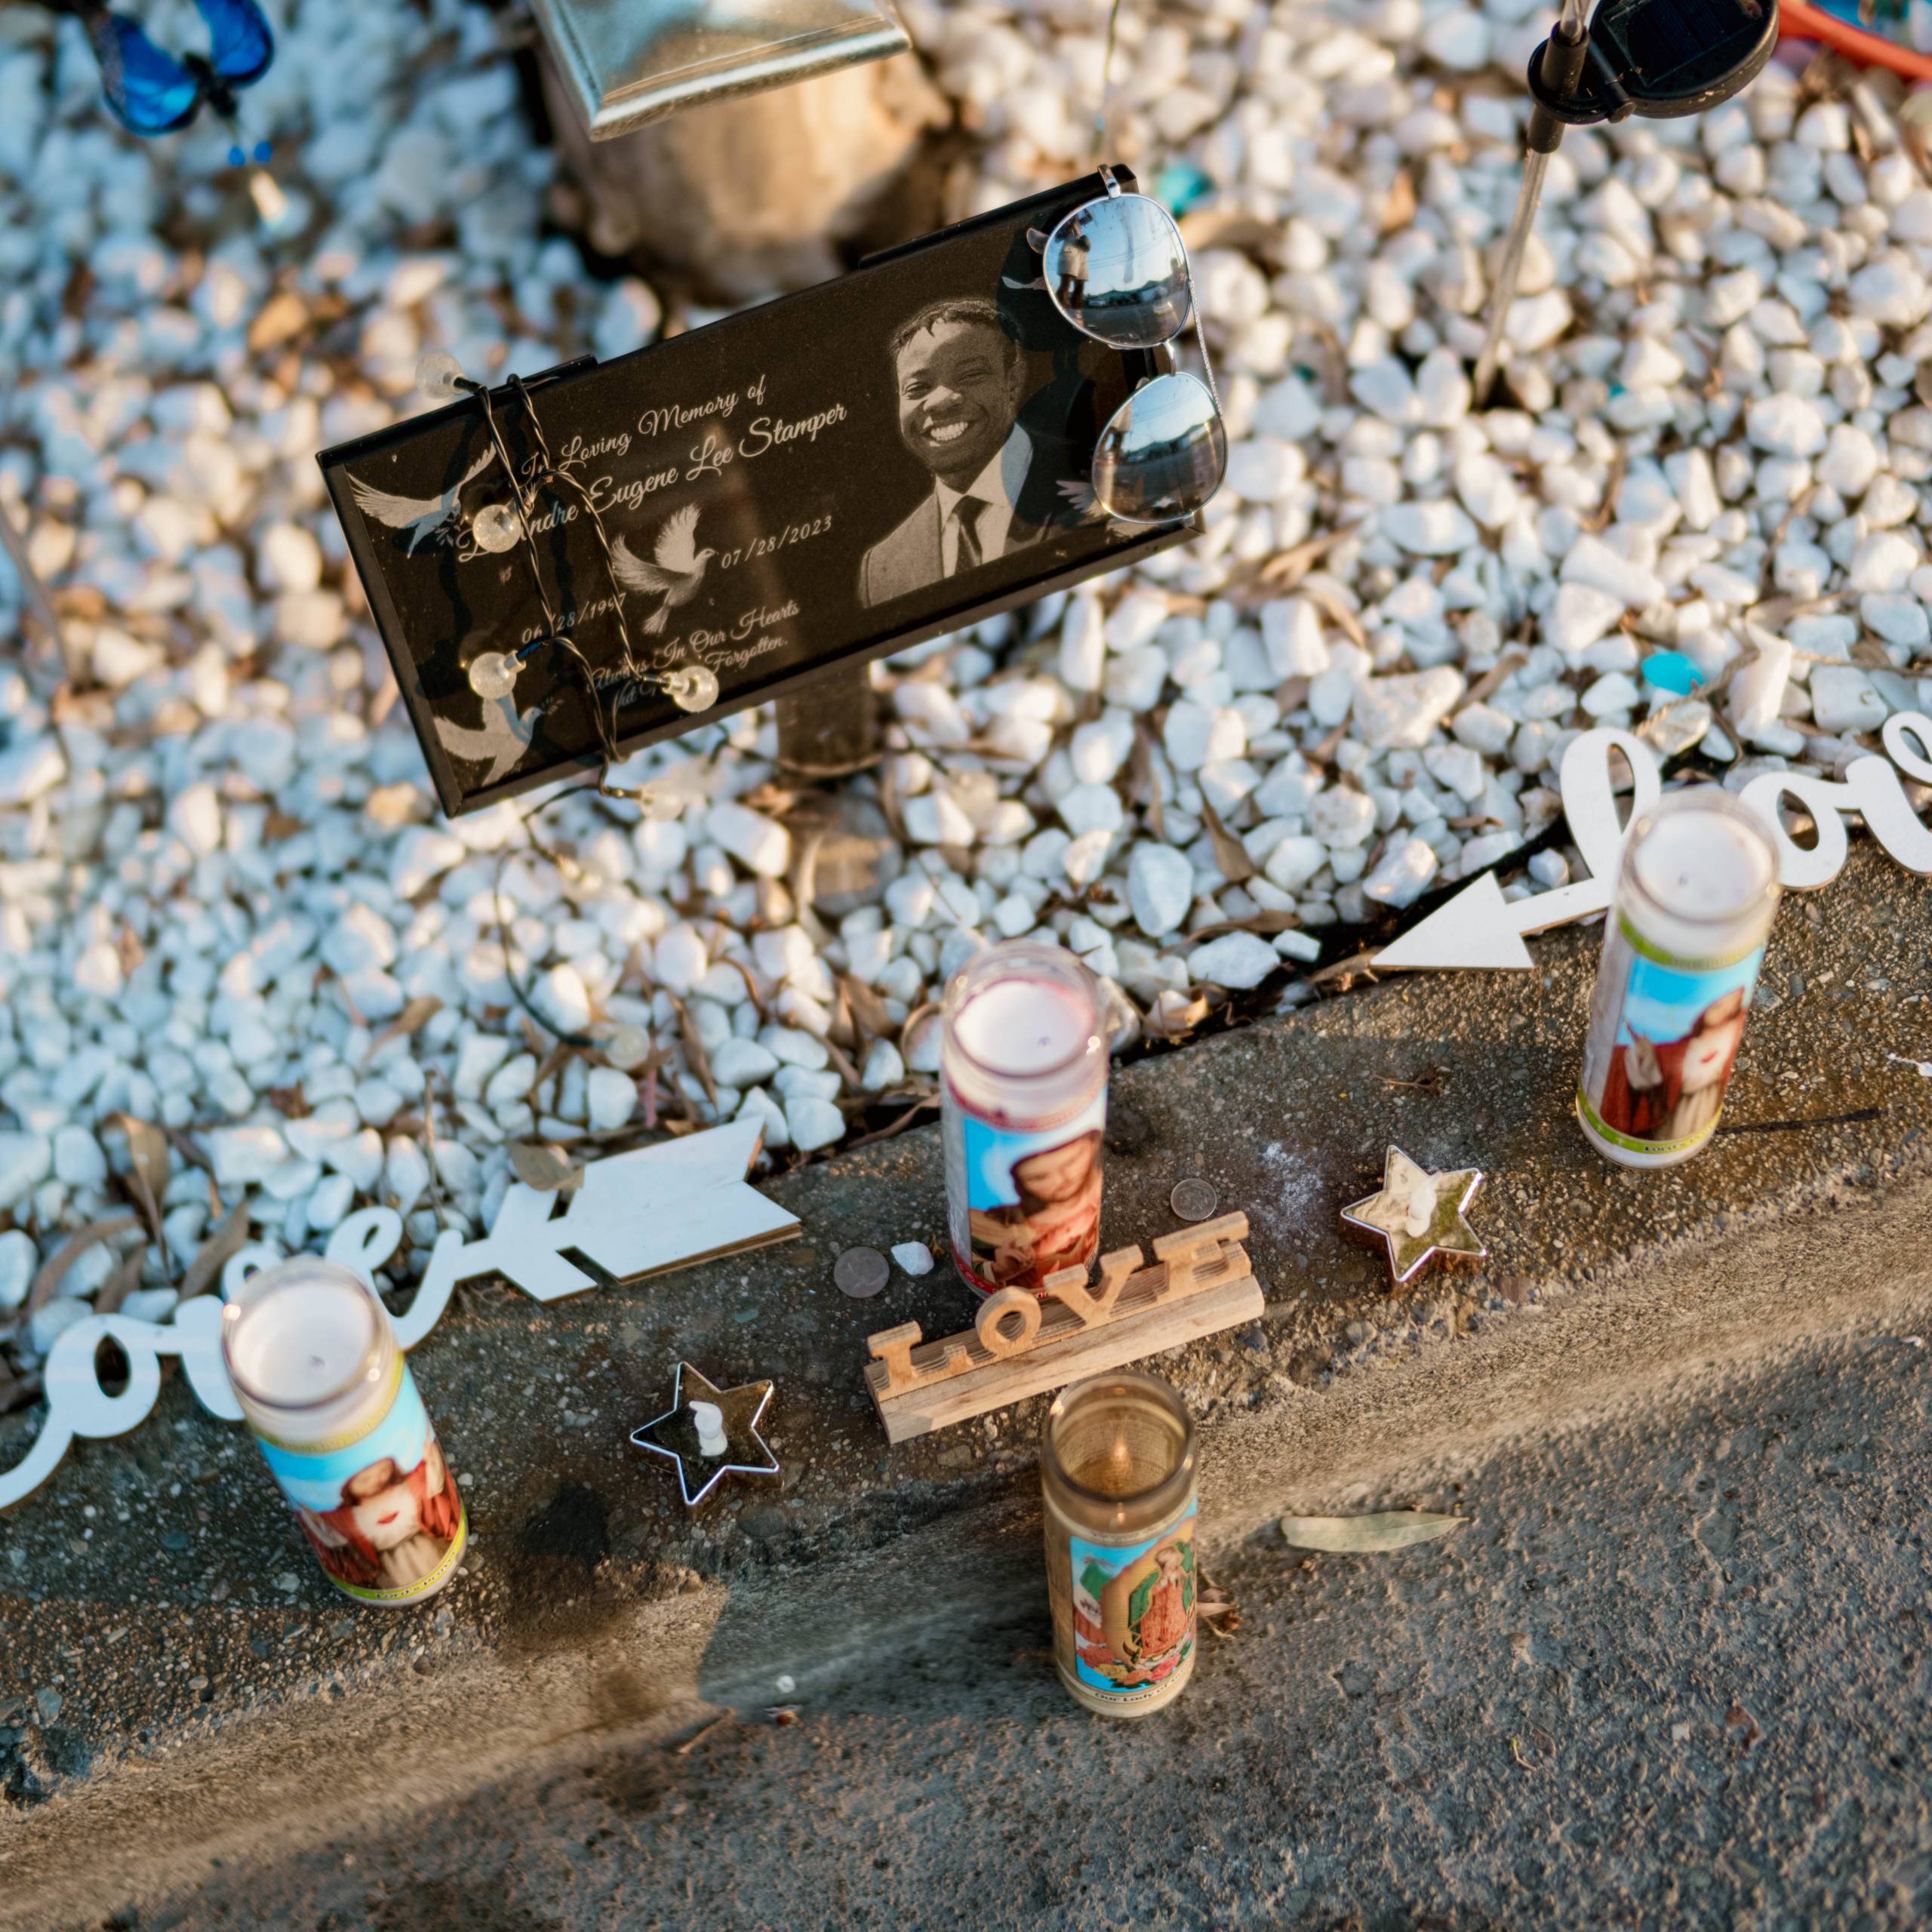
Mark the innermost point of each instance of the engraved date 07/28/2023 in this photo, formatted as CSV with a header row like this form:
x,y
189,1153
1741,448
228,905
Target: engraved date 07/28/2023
x,y
764,546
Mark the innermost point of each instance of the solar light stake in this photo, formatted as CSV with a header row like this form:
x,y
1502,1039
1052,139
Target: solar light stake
x,y
1659,58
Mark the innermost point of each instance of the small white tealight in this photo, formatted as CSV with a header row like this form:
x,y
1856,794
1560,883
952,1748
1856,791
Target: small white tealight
x,y
709,1419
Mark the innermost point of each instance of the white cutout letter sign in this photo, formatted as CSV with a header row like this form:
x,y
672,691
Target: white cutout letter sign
x,y
1479,928
635,1214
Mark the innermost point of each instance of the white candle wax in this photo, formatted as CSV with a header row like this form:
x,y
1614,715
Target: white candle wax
x,y
303,1342
1702,865
1023,1027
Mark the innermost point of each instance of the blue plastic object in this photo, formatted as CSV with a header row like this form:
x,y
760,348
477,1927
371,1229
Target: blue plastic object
x,y
150,92
1179,186
1671,670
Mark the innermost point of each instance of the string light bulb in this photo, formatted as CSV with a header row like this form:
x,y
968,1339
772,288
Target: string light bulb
x,y
692,687
493,675
496,528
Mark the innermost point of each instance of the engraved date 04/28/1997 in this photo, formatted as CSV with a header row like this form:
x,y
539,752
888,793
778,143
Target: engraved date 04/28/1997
x,y
763,546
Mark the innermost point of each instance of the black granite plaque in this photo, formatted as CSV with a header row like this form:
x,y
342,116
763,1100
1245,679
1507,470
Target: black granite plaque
x,y
781,491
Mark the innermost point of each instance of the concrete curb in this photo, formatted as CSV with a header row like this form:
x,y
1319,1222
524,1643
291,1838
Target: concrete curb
x,y
201,1708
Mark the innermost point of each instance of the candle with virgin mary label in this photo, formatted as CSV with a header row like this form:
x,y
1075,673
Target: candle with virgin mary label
x,y
1681,947
1023,1099
323,1386
1117,1478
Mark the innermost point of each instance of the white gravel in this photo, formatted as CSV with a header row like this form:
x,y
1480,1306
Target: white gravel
x,y
228,904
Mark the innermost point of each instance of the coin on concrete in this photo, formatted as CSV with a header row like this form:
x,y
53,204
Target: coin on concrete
x,y
861,1273
1194,1199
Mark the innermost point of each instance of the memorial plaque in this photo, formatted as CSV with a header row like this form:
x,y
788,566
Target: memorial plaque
x,y
827,478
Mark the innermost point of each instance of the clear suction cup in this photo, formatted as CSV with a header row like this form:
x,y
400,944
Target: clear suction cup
x,y
438,375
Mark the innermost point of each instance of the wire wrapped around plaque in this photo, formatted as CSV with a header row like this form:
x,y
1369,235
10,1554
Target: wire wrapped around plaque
x,y
629,62
830,477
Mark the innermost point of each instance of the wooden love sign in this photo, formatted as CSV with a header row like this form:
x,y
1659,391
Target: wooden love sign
x,y
1023,1345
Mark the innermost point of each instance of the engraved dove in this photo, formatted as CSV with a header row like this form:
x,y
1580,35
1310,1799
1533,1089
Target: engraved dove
x,y
676,569
499,743
421,516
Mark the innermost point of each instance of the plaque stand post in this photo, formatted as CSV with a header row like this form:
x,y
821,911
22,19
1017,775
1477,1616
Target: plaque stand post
x,y
830,728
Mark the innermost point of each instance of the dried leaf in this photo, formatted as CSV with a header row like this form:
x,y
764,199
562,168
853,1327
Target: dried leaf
x,y
410,1020
1267,922
695,1055
888,799
122,1283
1338,614
1385,1529
921,1104
1399,210
868,1008
281,318
553,1063
215,1254
187,1147
1174,1015
1146,781
1228,228
549,1170
54,1270
1511,661
840,1031
1230,853
805,881
751,984
843,1066
149,1167
1216,1609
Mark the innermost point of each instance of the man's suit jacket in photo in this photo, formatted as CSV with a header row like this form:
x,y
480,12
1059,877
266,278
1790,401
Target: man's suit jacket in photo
x,y
913,556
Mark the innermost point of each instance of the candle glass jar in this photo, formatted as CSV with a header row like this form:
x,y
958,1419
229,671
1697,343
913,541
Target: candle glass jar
x,y
322,1383
1696,894
1023,1107
1117,1475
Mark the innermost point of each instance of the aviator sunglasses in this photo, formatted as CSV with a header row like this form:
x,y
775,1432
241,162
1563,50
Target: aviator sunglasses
x,y
1118,270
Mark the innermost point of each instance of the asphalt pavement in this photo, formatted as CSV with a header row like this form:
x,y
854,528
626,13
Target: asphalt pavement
x,y
1674,1673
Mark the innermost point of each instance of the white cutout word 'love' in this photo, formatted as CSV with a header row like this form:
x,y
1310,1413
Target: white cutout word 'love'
x,y
1480,928
634,1214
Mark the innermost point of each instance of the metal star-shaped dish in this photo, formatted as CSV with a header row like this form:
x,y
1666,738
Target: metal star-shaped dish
x,y
675,1434
1418,1216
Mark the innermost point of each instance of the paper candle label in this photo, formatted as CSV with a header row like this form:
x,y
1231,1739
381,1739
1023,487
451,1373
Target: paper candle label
x,y
383,1512
1127,1624
1664,1033
1024,1201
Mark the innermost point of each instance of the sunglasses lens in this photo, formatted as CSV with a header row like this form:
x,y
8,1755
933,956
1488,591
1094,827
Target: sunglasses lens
x,y
1163,454
1117,270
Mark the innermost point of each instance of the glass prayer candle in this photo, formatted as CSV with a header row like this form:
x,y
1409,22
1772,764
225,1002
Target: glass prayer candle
x,y
1023,1100
1117,1469
1681,947
323,1385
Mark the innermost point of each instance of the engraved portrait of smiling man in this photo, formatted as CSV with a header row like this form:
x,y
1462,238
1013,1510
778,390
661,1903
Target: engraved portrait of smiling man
x,y
959,380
